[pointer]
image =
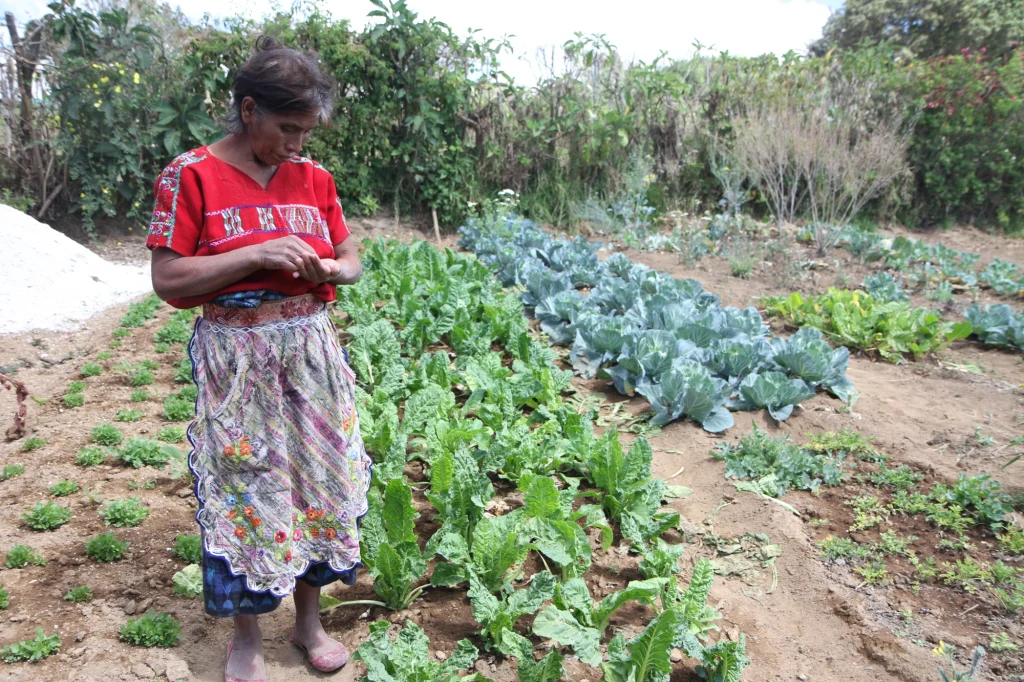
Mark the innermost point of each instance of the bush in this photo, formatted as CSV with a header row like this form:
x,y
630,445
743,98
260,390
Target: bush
x,y
151,629
91,456
64,488
107,434
31,650
188,548
91,369
79,594
124,512
46,516
11,470
32,444
105,547
20,556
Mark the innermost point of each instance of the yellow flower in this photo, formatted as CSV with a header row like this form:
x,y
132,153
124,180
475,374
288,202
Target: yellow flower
x,y
105,190
940,650
98,104
121,71
82,195
135,77
104,79
117,89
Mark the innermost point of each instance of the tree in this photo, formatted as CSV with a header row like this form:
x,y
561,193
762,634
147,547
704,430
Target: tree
x,y
927,28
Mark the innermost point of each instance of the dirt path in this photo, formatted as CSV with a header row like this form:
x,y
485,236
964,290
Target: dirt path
x,y
818,623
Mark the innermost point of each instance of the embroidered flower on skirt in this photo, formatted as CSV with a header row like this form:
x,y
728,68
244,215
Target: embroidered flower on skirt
x,y
281,469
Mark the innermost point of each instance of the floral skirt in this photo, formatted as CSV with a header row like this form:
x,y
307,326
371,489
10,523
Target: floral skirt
x,y
281,471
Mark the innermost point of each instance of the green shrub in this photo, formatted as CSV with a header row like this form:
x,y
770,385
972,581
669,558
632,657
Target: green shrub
x,y
188,548
79,594
5,598
105,547
31,650
151,629
20,556
178,408
72,400
64,488
91,369
46,516
124,512
129,415
107,434
91,456
140,452
171,434
139,395
32,444
11,470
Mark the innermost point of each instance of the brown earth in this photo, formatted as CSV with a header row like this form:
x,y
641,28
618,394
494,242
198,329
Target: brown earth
x,y
817,622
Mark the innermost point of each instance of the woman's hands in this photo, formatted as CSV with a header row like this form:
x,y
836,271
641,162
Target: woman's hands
x,y
297,257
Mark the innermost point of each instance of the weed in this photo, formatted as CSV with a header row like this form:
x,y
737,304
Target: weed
x,y
33,444
46,516
20,556
819,523
91,456
907,616
151,629
967,574
104,355
848,443
5,598
129,415
107,434
31,650
139,395
124,512
981,440
178,408
1000,642
105,547
949,652
140,452
11,470
188,548
72,400
64,488
91,369
79,594
1011,540
171,434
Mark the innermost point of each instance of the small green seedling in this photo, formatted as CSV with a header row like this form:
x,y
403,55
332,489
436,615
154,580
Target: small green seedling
x,y
151,629
105,547
33,444
129,415
64,488
124,512
91,369
20,556
11,470
31,650
188,548
79,594
46,516
107,434
91,456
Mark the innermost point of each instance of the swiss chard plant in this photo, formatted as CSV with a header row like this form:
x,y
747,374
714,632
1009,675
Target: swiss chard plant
x,y
498,614
388,546
497,554
407,657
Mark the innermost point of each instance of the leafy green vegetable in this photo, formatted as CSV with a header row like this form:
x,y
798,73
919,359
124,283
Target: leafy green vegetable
x,y
688,389
805,355
31,650
498,614
389,549
459,491
646,657
408,658
773,391
188,582
997,325
498,551
779,463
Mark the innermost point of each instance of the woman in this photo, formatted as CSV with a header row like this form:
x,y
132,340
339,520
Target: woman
x,y
255,234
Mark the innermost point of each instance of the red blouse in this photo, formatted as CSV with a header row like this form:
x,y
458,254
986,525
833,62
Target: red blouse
x,y
205,206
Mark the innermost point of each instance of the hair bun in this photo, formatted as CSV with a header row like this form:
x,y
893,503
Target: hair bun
x,y
266,43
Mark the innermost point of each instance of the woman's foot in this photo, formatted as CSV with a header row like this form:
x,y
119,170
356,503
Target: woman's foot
x,y
326,654
245,659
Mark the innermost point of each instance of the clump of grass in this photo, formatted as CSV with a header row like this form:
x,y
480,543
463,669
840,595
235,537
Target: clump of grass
x,y
188,548
171,434
125,415
31,650
11,470
46,516
91,456
20,556
79,594
139,395
91,369
124,512
33,443
107,434
105,547
151,629
64,488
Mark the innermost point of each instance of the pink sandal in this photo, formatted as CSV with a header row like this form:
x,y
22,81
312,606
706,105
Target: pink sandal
x,y
325,663
232,678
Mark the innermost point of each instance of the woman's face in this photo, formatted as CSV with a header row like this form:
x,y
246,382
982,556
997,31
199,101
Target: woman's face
x,y
275,138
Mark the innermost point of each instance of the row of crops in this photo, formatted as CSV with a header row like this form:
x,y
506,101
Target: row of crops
x,y
450,376
650,333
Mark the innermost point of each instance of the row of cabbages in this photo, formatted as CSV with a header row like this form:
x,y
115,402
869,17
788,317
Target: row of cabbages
x,y
664,338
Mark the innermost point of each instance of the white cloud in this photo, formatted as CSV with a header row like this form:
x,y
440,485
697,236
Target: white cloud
x,y
639,28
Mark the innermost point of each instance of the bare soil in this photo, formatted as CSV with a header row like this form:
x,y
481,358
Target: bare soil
x,y
811,621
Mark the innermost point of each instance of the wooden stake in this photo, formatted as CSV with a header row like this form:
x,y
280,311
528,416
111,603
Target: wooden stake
x,y
437,230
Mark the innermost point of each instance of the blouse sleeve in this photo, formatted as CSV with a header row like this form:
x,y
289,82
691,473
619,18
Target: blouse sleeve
x,y
336,225
177,213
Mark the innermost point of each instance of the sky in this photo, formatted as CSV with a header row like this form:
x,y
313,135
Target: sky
x,y
639,28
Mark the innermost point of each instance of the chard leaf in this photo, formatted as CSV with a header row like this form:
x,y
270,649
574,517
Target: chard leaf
x,y
562,627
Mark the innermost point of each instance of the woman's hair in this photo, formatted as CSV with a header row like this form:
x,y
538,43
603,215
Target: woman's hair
x,y
280,80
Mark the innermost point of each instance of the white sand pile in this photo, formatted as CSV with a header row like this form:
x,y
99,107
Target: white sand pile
x,y
48,281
